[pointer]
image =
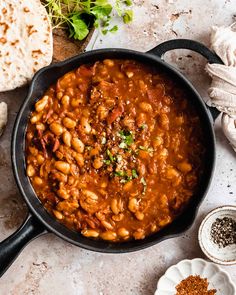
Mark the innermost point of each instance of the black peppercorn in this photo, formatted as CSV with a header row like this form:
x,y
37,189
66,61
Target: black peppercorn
x,y
223,232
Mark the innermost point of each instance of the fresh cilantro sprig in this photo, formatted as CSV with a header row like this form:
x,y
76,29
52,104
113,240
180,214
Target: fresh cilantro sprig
x,y
126,14
79,16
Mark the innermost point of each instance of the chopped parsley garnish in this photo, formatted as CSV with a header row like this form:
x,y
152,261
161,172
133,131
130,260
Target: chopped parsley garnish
x,y
110,156
144,126
127,138
125,177
107,162
134,173
128,2
120,173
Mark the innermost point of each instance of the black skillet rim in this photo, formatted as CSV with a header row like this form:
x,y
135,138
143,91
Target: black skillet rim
x,y
101,246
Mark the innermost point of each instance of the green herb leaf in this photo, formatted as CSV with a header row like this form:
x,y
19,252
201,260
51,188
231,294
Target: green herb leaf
x,y
105,31
128,2
78,28
144,126
120,173
125,177
80,15
101,12
114,29
118,8
134,173
100,2
112,159
107,162
56,7
128,16
127,138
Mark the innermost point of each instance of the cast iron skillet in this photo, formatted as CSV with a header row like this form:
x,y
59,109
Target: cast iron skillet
x,y
38,220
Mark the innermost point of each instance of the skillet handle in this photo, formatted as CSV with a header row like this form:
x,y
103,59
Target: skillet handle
x,y
11,247
162,48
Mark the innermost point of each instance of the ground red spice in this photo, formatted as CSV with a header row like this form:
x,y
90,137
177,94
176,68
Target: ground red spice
x,y
194,285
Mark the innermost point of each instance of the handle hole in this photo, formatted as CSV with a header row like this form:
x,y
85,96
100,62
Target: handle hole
x,y
191,65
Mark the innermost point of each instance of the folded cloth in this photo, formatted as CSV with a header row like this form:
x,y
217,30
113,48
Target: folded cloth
x,y
223,87
223,42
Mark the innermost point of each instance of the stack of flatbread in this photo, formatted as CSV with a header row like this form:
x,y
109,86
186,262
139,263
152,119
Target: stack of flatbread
x,y
25,41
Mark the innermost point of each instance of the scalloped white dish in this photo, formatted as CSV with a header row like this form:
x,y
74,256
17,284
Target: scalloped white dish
x,y
217,278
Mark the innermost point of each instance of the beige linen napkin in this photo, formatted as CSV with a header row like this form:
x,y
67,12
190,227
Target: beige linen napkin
x,y
223,87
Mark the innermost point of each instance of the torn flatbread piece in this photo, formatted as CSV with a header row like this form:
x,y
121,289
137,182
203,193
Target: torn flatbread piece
x,y
25,41
3,116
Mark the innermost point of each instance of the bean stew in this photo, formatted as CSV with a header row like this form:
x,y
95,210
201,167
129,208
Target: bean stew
x,y
115,150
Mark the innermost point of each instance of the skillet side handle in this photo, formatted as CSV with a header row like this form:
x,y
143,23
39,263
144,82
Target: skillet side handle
x,y
11,247
198,47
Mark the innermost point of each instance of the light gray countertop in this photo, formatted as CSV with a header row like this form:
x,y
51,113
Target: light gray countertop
x,y
48,265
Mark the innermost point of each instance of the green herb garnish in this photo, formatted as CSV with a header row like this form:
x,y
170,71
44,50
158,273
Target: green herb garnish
x,y
125,177
144,126
134,173
128,2
120,173
127,138
79,16
143,181
78,28
128,16
110,156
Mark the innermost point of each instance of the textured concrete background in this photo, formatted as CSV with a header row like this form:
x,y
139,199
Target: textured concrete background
x,y
48,265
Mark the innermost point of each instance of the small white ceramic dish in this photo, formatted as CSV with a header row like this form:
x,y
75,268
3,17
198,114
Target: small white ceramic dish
x,y
217,278
225,256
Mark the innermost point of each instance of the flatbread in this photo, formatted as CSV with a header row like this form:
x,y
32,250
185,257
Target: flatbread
x,y
25,41
3,116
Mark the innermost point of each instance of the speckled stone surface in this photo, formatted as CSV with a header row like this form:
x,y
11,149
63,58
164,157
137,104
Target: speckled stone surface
x,y
48,265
